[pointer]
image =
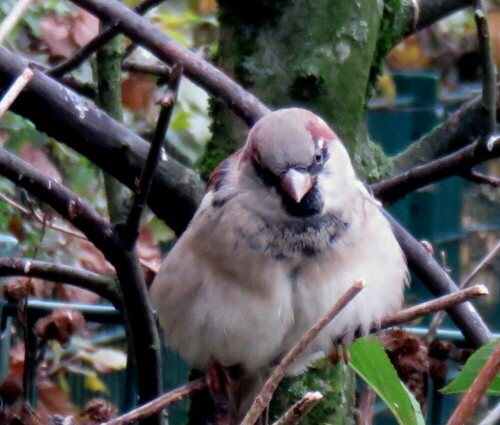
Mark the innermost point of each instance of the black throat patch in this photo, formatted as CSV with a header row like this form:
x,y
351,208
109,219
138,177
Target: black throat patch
x,y
300,237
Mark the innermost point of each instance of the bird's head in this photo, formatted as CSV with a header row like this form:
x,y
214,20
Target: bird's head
x,y
292,150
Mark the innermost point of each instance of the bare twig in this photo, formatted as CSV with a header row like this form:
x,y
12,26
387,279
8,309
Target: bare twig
x,y
218,84
438,318
489,93
14,90
103,285
96,43
471,398
484,262
481,178
146,180
441,303
262,400
366,404
13,18
158,70
41,218
159,403
293,415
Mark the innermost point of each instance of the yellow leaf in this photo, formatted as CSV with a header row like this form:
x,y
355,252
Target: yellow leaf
x,y
94,383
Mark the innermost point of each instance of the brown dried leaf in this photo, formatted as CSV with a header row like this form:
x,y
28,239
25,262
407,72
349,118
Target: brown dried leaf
x,y
408,354
16,360
97,411
56,31
148,249
76,295
85,27
17,289
59,325
90,258
11,389
39,159
138,92
52,400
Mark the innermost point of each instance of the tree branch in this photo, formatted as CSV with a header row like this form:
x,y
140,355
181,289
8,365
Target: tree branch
x,y
68,118
442,303
294,415
17,87
460,162
144,185
104,286
488,92
462,128
439,283
415,15
160,403
480,178
214,81
143,333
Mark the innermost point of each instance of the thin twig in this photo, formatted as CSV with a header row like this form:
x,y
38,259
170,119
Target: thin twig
x,y
146,180
262,400
481,178
38,216
13,18
293,415
159,403
441,303
489,93
96,43
471,398
439,316
484,262
364,414
14,90
158,70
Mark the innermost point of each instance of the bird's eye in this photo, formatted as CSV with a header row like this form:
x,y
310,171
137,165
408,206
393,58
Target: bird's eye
x,y
318,158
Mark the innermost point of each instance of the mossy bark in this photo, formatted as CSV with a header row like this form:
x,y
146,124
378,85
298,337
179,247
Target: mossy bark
x,y
109,98
321,55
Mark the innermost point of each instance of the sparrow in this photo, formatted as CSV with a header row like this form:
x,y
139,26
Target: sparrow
x,y
284,230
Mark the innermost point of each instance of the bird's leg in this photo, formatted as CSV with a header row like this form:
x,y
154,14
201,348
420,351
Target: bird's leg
x,y
335,355
219,380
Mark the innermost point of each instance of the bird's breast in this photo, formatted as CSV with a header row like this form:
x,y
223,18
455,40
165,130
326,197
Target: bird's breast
x,y
295,239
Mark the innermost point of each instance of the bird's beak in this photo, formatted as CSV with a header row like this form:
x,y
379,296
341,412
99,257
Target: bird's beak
x,y
296,184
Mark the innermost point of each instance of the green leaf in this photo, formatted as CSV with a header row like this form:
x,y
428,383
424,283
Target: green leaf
x,y
370,361
470,370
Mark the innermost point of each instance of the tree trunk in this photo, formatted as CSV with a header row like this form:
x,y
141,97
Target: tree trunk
x,y
318,55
